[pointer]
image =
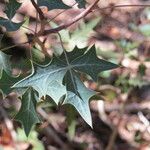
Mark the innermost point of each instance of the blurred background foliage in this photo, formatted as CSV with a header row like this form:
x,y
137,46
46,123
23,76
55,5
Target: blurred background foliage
x,y
122,104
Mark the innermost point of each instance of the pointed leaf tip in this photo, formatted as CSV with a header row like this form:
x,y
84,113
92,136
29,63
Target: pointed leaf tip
x,y
78,96
89,63
59,78
27,114
46,80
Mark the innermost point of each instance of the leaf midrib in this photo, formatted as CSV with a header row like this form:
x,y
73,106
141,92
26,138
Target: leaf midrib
x,y
42,75
61,69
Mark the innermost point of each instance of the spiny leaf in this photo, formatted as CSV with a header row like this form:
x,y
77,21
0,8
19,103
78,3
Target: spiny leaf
x,y
11,8
91,64
10,25
27,114
6,82
75,53
78,96
4,63
47,80
81,3
53,4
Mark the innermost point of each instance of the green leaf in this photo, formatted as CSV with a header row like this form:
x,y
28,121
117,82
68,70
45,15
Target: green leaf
x,y
78,96
6,82
47,80
81,3
9,25
11,8
53,4
22,64
4,63
27,114
89,63
81,35
77,52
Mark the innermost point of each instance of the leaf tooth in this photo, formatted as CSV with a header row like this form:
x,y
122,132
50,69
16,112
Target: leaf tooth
x,y
81,103
90,64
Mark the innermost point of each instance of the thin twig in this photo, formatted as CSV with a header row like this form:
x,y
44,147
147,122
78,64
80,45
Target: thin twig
x,y
85,13
115,130
9,47
41,15
72,21
51,132
59,14
28,29
64,50
36,24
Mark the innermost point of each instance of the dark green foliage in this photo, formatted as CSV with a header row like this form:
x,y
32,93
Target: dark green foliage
x,y
10,25
49,80
11,8
27,114
81,3
6,82
52,4
60,78
10,11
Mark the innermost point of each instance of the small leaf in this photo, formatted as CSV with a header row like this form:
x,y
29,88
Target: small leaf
x,y
6,82
27,114
9,25
81,3
4,63
11,8
53,4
